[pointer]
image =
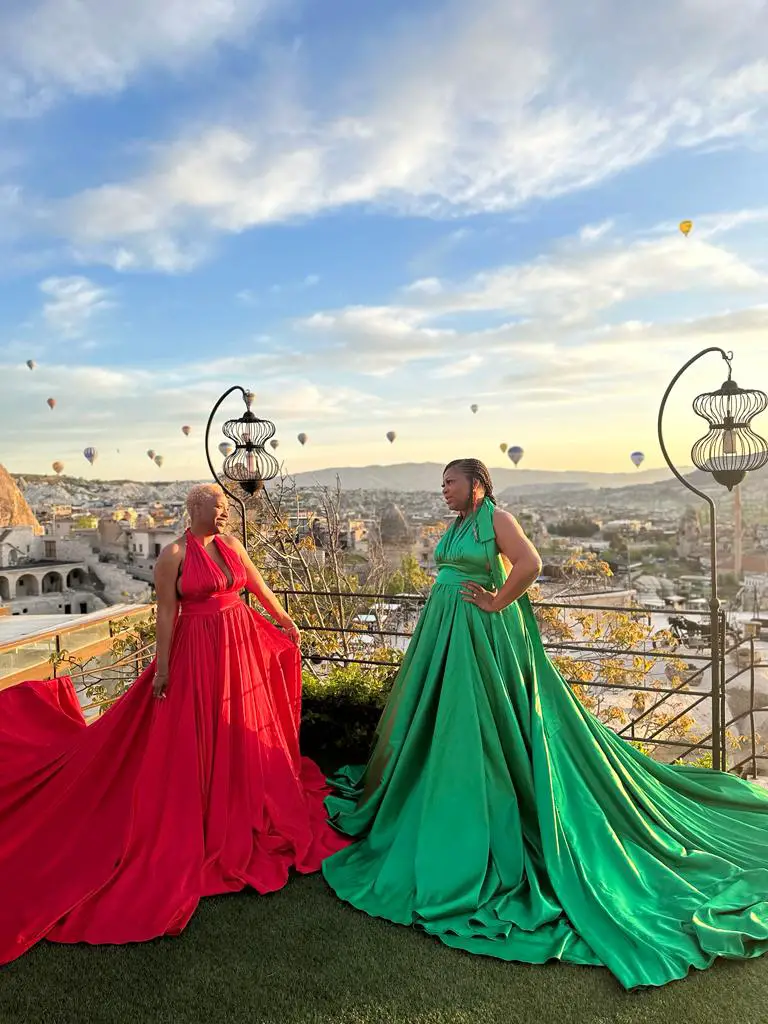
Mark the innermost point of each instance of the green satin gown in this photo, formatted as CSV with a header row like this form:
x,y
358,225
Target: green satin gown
x,y
501,816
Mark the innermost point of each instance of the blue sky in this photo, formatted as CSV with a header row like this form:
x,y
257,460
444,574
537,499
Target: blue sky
x,y
375,215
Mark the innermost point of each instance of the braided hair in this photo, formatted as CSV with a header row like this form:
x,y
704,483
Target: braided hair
x,y
477,472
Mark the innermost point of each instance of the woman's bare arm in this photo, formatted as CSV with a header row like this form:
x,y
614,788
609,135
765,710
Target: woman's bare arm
x,y
166,575
256,585
518,551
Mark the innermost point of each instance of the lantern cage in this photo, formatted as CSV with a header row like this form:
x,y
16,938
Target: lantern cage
x,y
731,448
250,465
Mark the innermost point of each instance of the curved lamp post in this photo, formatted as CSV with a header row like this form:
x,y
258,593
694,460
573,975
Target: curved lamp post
x,y
249,464
728,451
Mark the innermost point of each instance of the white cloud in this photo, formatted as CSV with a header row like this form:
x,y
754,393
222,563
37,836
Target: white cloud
x,y
492,105
72,303
573,285
591,232
546,304
460,368
713,224
425,286
50,47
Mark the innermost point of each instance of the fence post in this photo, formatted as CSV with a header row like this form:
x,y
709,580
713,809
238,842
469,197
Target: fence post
x,y
723,766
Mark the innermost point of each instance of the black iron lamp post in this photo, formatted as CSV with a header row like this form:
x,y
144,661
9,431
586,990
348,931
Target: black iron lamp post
x,y
729,451
249,464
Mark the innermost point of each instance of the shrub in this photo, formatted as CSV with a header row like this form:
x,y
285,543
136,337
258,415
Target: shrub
x,y
340,712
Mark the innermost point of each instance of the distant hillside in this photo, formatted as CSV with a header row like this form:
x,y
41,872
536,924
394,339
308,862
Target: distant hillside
x,y
42,491
426,476
653,493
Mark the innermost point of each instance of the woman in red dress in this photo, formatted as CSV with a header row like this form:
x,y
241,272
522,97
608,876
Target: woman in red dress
x,y
190,784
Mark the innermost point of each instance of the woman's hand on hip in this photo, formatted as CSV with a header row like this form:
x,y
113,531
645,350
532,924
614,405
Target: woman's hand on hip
x,y
481,598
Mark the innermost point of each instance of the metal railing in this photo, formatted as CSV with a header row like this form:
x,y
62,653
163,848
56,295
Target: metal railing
x,y
657,726
683,691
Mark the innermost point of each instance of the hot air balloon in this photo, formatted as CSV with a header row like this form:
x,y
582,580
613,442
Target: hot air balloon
x,y
226,448
91,454
302,438
515,453
637,458
274,443
151,454
502,447
57,468
391,435
158,461
51,403
685,227
186,431
31,364
474,407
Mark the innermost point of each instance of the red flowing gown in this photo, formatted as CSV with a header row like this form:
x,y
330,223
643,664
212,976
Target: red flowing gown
x,y
112,832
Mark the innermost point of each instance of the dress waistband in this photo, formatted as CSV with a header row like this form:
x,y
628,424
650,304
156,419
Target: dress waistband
x,y
210,605
453,576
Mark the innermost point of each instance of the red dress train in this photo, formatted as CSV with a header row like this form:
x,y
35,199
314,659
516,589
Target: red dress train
x,y
111,833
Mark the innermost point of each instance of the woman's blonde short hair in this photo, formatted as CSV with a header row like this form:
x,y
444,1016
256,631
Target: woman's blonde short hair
x,y
202,493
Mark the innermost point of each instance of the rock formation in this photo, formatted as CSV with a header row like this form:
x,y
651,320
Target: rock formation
x,y
14,510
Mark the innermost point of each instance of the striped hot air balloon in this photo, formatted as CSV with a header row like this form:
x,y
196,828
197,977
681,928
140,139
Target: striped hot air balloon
x,y
515,453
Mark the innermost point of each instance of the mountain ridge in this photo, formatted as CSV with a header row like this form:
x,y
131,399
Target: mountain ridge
x,y
399,477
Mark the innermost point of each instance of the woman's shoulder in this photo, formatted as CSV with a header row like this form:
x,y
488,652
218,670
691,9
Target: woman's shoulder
x,y
173,551
500,515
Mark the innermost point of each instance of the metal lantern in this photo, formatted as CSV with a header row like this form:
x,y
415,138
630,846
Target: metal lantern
x,y
729,451
247,463
250,465
731,448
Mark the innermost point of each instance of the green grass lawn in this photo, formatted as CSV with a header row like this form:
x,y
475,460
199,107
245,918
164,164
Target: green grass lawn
x,y
302,957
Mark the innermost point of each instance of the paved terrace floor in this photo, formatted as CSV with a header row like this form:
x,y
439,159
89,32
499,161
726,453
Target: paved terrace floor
x,y
300,956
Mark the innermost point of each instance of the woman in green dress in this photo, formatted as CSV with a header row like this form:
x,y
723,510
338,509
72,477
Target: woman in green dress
x,y
498,814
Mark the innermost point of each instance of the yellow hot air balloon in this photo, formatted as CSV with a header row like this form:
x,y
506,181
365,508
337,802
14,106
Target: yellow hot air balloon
x,y
685,226
57,468
502,447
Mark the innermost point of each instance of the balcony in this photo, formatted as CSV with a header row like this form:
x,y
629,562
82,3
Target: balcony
x,y
300,956
30,645
654,694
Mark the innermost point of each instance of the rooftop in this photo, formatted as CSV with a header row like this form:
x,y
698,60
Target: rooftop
x,y
42,563
16,629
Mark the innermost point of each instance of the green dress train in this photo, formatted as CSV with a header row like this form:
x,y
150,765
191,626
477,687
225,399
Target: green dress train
x,y
501,816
